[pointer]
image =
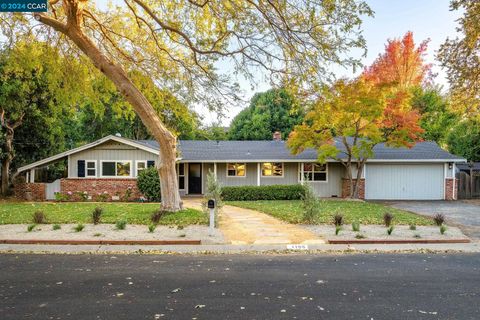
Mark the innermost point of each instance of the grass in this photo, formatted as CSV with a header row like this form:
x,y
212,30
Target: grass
x,y
353,211
80,212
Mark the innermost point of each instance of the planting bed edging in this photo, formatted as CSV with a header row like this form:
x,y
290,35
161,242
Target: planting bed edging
x,y
101,242
397,241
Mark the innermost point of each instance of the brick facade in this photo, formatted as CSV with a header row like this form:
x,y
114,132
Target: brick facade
x,y
346,188
451,188
100,189
29,191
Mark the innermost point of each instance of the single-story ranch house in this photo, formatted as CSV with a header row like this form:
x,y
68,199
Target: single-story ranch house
x,y
109,166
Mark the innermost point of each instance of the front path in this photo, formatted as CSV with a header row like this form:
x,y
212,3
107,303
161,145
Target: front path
x,y
245,226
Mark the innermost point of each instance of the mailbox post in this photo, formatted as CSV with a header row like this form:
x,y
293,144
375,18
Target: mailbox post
x,y
211,206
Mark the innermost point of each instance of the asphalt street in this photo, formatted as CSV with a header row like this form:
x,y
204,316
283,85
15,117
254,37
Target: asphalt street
x,y
365,286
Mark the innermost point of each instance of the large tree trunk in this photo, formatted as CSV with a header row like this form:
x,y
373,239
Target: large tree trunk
x,y
6,162
171,200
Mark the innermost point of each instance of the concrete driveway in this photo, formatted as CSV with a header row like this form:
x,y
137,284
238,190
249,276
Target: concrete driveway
x,y
465,214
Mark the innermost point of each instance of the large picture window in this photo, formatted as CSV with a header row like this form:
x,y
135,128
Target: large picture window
x,y
272,169
116,168
236,169
314,172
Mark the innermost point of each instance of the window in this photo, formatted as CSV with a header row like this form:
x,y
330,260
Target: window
x,y
236,169
272,169
314,172
116,168
181,176
141,165
91,168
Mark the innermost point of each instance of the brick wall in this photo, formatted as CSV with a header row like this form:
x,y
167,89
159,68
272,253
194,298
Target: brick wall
x,y
97,187
451,188
346,188
30,191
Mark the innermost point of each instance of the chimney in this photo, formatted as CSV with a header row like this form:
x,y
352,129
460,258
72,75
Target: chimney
x,y
277,136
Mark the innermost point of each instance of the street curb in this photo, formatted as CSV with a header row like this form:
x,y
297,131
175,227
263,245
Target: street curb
x,y
412,241
102,242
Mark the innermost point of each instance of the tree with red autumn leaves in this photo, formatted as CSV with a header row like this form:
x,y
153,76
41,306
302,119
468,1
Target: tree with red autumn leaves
x,y
352,116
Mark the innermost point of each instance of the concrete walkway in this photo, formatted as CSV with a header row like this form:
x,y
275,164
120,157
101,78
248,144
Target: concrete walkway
x,y
245,226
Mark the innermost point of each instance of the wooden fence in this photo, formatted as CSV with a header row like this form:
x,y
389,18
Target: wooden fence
x,y
468,185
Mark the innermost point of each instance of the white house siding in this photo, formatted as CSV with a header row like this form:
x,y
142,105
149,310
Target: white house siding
x,y
109,151
414,181
250,178
333,186
290,175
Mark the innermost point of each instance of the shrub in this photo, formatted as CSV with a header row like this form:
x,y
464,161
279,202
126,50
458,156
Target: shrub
x,y
56,227
359,236
413,227
82,195
439,219
443,228
310,205
121,224
96,215
148,183
338,219
61,196
390,230
337,230
79,227
417,236
128,193
38,217
30,227
97,234
156,216
355,226
152,227
102,197
273,192
387,219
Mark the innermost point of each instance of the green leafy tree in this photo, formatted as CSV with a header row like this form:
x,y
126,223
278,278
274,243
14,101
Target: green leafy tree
x,y
270,111
459,57
179,43
34,93
464,139
436,117
214,131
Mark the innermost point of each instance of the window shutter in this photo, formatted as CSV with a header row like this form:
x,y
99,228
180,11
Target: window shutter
x,y
81,168
150,163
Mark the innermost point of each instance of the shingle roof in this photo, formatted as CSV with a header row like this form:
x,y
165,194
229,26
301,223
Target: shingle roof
x,y
198,150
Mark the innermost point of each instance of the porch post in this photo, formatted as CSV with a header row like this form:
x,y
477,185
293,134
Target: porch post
x,y
32,175
215,170
302,176
258,173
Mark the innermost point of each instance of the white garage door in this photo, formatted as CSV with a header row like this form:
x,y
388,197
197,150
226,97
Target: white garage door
x,y
404,181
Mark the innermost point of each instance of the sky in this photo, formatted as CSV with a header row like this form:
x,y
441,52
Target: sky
x,y
427,19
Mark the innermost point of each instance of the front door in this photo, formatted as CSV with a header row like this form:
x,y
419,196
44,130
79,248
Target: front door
x,y
194,178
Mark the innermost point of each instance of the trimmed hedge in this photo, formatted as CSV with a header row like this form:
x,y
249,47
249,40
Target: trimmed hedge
x,y
272,192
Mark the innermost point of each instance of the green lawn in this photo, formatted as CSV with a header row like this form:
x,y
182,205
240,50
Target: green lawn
x,y
79,212
364,212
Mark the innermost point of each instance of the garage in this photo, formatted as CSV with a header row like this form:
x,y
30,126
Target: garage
x,y
385,181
